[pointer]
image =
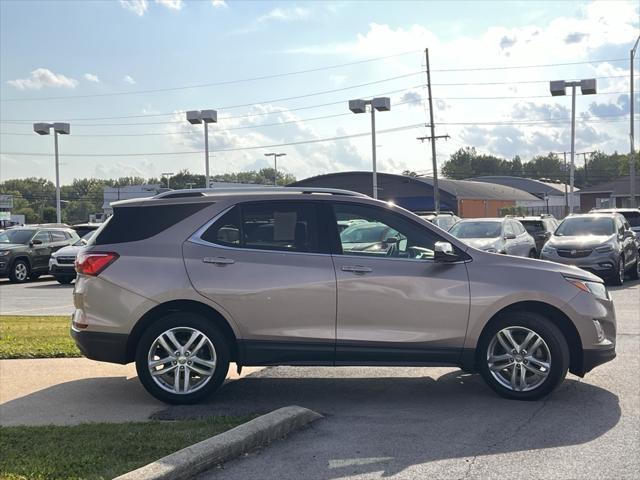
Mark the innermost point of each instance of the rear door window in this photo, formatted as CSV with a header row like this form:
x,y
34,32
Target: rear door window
x,y
44,237
279,226
57,236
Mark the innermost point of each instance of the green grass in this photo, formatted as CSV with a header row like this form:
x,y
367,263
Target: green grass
x,y
97,450
36,337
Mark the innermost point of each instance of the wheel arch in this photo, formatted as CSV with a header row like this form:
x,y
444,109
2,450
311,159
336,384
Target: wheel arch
x,y
22,257
182,306
557,316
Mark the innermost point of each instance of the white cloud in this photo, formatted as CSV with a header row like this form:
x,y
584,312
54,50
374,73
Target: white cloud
x,y
128,79
91,77
139,7
219,3
285,14
43,77
172,4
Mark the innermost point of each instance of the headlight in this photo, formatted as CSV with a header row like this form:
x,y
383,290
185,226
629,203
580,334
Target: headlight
x,y
607,247
4,252
548,249
491,250
597,289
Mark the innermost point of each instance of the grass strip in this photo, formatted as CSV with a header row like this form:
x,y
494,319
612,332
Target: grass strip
x,y
36,337
95,451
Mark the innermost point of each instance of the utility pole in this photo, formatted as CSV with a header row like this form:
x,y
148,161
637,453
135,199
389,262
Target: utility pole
x,y
632,160
436,191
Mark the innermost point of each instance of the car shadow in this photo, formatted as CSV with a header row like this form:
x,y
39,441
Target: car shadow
x,y
627,284
50,286
453,416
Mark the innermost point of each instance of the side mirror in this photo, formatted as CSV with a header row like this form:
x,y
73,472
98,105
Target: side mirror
x,y
509,236
36,242
629,234
547,235
443,253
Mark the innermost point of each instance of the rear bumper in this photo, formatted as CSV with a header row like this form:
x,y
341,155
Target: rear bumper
x,y
103,347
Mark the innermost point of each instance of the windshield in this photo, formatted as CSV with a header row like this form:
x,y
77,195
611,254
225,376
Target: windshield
x,y
476,229
364,234
16,236
577,226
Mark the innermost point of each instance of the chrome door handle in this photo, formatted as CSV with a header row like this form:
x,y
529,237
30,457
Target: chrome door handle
x,y
218,260
356,269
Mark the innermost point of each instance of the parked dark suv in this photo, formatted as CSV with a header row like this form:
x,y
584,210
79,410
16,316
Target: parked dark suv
x,y
25,251
601,243
540,228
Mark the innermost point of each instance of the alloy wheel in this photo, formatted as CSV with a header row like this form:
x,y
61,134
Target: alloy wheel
x,y
519,359
20,271
182,360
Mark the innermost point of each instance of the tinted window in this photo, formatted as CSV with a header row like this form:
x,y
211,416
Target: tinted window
x,y
281,226
129,224
16,236
534,226
57,236
225,231
43,237
633,218
575,226
476,229
381,233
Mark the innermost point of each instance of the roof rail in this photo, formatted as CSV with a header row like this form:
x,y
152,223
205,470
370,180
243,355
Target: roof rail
x,y
201,192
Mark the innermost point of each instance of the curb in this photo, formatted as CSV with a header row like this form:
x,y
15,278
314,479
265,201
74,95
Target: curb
x,y
197,458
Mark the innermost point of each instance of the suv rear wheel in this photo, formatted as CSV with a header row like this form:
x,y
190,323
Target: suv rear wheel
x,y
523,356
182,358
617,276
19,271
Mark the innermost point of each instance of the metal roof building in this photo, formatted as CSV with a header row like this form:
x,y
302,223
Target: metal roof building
x,y
467,198
530,185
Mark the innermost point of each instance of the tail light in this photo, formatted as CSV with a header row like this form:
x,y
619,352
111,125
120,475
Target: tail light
x,y
92,263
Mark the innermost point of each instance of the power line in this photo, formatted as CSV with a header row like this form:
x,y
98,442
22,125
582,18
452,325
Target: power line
x,y
298,72
301,142
213,84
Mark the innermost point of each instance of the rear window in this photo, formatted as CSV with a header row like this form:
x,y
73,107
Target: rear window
x,y
130,224
533,226
633,218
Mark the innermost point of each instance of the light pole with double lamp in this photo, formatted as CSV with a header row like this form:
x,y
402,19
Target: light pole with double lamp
x,y
275,165
168,175
558,88
62,129
382,104
195,117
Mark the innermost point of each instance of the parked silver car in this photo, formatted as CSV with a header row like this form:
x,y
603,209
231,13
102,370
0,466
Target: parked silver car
x,y
601,243
62,262
496,235
185,282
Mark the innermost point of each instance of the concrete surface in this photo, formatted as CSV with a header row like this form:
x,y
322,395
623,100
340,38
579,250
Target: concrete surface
x,y
417,423
44,296
190,461
67,391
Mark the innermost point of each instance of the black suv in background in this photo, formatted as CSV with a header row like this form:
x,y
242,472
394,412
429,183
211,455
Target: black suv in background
x,y
540,228
631,215
25,251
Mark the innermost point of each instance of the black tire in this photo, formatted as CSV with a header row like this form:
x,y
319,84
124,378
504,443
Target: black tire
x,y
184,320
19,272
34,276
533,254
64,280
617,278
545,329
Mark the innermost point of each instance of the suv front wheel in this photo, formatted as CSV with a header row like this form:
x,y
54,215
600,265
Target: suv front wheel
x,y
19,272
523,356
182,358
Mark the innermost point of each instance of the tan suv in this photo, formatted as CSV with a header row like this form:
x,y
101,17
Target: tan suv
x,y
185,282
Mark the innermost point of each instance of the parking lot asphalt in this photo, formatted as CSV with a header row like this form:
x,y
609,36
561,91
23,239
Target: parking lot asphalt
x,y
44,296
416,423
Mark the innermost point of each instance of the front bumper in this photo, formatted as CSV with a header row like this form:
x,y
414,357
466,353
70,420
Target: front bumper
x,y
592,358
66,270
604,265
103,347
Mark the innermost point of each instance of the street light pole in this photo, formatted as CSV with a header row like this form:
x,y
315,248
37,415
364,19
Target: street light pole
x,y
58,128
382,104
195,117
168,175
632,160
558,88
275,165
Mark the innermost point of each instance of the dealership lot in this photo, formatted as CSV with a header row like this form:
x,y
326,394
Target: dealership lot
x,y
379,422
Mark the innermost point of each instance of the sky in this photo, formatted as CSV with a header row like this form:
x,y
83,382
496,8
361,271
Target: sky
x,y
280,75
